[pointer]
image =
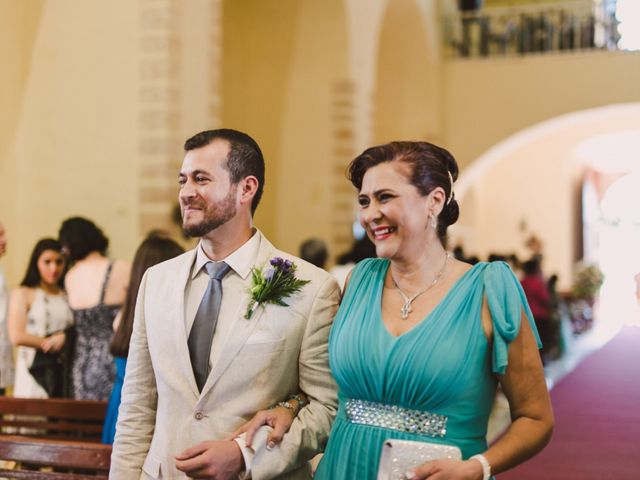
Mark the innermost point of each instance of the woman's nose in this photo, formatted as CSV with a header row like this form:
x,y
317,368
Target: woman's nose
x,y
371,213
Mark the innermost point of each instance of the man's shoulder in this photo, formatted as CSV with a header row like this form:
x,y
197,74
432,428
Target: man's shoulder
x,y
171,266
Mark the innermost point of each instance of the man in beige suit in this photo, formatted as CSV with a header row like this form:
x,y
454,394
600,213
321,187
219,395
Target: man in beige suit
x,y
174,417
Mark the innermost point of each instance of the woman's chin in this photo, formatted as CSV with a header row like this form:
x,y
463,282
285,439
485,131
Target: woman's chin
x,y
383,251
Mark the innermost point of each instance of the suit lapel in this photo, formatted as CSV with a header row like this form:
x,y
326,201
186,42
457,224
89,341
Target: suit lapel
x,y
242,327
183,348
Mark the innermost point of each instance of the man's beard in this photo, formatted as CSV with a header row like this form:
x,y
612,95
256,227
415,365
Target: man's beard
x,y
214,216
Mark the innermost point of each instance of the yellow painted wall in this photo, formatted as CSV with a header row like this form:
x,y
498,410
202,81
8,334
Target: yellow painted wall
x,y
19,22
73,149
407,93
308,135
258,44
488,100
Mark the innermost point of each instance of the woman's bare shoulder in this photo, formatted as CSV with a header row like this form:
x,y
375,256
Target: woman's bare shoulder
x,y
22,294
121,270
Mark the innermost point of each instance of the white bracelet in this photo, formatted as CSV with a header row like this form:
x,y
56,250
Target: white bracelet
x,y
486,468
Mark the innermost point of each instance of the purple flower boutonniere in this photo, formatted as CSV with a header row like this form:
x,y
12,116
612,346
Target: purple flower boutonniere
x,y
277,283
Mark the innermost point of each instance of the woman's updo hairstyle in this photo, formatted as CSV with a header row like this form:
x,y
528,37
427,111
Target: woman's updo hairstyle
x,y
429,165
80,237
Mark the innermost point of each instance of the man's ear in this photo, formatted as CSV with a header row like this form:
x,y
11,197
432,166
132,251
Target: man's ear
x,y
248,189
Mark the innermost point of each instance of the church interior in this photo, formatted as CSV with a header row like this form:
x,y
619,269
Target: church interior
x,y
538,101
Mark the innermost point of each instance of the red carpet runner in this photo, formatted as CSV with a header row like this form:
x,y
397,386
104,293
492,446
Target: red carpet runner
x,y
597,412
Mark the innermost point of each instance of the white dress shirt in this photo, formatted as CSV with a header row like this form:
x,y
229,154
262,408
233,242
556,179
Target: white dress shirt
x,y
234,289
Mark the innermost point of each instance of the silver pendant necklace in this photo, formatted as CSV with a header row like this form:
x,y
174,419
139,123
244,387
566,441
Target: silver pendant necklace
x,y
406,308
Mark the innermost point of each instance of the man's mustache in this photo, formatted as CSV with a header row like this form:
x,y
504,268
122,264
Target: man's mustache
x,y
193,205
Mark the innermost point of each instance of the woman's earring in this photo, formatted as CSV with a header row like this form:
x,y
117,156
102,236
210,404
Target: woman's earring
x,y
434,221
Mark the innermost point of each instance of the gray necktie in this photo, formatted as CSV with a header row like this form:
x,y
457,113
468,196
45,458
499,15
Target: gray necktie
x,y
204,324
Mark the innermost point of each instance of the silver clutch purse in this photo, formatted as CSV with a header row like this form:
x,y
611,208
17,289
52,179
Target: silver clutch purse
x,y
398,456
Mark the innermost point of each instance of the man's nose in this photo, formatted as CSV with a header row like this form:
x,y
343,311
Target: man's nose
x,y
187,190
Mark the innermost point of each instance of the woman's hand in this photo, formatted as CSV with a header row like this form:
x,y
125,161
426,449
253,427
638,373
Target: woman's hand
x,y
279,418
447,470
53,343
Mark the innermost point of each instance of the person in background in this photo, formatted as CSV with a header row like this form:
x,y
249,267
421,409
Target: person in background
x,y
472,260
153,250
96,287
315,252
6,350
360,249
537,291
458,253
38,317
496,257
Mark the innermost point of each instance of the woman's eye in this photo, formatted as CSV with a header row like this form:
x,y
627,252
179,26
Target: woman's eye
x,y
384,197
363,201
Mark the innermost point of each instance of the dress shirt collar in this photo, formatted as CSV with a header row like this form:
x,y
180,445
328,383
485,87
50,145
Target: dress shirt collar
x,y
240,261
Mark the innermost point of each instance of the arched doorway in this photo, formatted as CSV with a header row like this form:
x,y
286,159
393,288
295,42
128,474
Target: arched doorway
x,y
541,181
531,182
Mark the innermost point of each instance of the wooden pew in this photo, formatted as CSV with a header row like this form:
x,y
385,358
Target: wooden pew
x,y
53,418
70,460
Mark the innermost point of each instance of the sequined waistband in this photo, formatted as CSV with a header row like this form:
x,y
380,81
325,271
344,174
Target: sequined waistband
x,y
396,418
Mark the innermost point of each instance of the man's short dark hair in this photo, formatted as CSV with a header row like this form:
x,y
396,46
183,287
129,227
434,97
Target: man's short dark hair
x,y
244,158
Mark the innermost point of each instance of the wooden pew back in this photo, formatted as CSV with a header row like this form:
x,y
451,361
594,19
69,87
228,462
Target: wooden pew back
x,y
71,460
53,418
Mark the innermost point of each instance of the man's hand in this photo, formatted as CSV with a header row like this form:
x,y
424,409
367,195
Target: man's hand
x,y
279,418
214,459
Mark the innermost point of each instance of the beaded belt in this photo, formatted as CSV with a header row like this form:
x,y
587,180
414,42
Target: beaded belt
x,y
396,418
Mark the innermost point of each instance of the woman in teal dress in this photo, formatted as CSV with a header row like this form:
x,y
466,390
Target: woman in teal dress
x,y
421,341
153,250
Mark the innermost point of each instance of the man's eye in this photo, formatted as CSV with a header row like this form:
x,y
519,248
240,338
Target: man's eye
x,y
181,181
200,179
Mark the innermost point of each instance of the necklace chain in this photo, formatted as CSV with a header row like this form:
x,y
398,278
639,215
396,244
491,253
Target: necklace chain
x,y
406,308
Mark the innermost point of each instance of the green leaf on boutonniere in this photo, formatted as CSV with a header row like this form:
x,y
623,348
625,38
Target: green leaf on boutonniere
x,y
279,282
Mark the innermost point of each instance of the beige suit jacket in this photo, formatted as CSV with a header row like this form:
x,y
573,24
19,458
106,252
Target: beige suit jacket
x,y
279,351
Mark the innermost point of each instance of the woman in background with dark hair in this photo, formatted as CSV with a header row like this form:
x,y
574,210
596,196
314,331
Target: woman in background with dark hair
x,y
153,250
96,287
38,317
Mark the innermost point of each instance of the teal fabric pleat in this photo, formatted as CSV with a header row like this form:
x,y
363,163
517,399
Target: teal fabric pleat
x,y
443,365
